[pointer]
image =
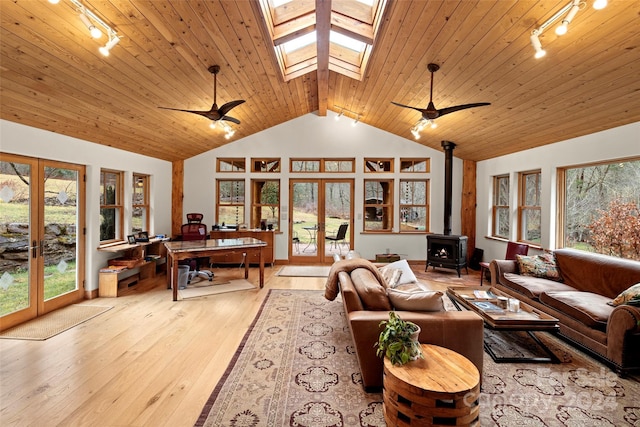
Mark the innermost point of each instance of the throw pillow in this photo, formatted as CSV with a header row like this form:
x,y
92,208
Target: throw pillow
x,y
416,301
391,276
407,275
543,266
372,293
633,293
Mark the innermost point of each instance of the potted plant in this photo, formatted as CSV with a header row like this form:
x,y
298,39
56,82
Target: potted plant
x,y
399,340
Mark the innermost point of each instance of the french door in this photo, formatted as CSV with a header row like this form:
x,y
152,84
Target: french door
x,y
317,208
42,238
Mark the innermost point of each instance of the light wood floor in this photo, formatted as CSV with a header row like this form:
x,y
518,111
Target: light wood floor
x,y
149,361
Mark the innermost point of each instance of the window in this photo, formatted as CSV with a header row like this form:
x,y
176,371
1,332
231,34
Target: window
x,y
111,212
414,165
414,205
322,165
600,208
140,203
265,165
265,206
231,165
305,165
230,202
378,165
529,212
378,205
500,211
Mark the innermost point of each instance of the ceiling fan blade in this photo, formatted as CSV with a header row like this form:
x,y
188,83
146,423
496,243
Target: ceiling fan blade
x,y
185,111
407,106
229,106
230,119
448,110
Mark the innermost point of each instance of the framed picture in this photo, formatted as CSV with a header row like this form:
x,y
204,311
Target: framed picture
x,y
143,236
131,239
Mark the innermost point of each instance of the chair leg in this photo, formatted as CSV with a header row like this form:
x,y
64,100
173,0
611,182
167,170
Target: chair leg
x,y
482,269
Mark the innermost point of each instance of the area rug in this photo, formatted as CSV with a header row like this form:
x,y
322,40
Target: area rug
x,y
53,323
296,366
204,288
304,271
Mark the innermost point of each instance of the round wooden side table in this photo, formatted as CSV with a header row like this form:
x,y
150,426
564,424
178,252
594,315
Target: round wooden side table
x,y
441,389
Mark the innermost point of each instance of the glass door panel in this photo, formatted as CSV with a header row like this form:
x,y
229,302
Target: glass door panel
x,y
60,243
304,216
338,211
17,270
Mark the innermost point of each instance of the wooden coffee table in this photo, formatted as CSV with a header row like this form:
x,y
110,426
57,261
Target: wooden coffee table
x,y
441,389
528,319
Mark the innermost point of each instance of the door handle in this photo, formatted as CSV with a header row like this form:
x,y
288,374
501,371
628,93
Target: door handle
x,y
34,249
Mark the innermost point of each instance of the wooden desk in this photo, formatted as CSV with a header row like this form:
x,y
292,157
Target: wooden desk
x,y
441,389
180,250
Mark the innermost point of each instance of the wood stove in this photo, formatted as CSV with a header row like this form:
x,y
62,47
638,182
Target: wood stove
x,y
447,251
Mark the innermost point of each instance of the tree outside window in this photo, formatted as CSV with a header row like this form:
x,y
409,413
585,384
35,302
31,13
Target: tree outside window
x,y
414,205
110,206
601,208
501,226
529,211
266,203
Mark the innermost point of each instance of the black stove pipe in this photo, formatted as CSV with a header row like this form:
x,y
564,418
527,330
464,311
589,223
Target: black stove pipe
x,y
448,147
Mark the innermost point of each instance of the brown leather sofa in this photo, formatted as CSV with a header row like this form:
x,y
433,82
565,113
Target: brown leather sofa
x,y
461,331
580,301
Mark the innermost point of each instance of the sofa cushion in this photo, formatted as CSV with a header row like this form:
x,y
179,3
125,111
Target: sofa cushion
x,y
631,293
416,300
586,307
543,266
407,274
372,294
532,287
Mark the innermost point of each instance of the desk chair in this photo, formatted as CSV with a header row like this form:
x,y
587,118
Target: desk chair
x,y
195,230
513,249
339,236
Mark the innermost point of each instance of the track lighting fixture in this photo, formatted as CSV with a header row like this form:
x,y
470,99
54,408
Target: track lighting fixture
x,y
113,40
344,111
95,31
93,24
569,12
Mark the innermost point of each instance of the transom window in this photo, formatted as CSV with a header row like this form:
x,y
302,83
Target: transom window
x,y
414,165
231,165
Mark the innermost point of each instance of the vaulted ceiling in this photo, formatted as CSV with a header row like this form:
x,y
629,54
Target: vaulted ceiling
x,y
52,76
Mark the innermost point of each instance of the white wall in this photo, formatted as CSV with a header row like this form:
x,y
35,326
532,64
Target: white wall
x,y
323,137
32,142
617,143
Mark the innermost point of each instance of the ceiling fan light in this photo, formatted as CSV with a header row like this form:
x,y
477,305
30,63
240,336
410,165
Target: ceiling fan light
x,y
212,125
433,124
415,133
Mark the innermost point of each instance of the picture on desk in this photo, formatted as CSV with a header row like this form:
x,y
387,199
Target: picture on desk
x,y
142,236
131,239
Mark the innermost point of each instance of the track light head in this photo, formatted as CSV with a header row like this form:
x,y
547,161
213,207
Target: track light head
x,y
95,31
537,46
104,50
599,4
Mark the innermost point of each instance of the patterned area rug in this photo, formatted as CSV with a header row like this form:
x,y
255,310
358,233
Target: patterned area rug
x,y
296,366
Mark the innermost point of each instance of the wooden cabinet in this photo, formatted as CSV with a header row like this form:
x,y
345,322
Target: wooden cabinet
x,y
152,258
267,236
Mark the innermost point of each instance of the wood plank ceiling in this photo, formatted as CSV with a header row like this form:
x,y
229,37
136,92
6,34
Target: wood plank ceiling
x,y
52,76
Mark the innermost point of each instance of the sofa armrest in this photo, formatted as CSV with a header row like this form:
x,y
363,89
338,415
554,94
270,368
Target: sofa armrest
x,y
499,267
460,331
623,336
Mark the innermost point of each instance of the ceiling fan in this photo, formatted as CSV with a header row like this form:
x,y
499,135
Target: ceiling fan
x,y
216,114
431,113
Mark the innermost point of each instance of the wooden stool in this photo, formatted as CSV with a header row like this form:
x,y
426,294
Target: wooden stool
x,y
443,389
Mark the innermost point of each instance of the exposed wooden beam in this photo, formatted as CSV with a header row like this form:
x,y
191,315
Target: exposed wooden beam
x,y
323,27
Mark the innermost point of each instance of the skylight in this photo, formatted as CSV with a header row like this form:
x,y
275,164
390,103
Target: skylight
x,y
299,42
347,42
